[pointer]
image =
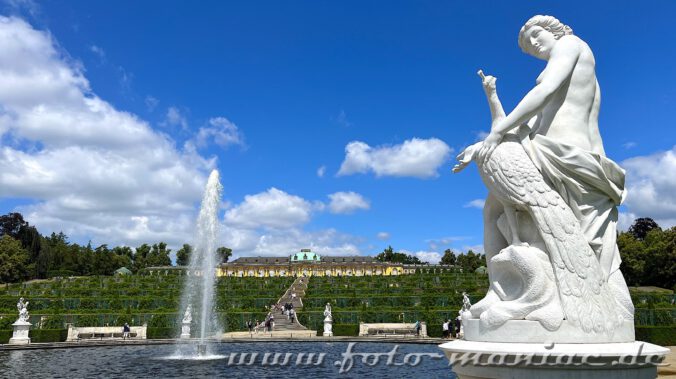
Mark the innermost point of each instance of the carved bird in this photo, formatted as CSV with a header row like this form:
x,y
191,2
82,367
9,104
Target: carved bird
x,y
511,176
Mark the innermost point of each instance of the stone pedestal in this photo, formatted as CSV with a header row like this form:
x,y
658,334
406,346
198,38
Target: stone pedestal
x,y
328,328
20,335
185,330
484,360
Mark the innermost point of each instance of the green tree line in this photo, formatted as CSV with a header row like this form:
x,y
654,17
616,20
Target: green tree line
x,y
26,254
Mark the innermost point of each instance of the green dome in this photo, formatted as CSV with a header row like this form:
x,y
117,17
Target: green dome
x,y
304,255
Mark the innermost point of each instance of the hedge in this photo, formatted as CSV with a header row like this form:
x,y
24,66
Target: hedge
x,y
48,335
161,333
5,335
346,330
659,335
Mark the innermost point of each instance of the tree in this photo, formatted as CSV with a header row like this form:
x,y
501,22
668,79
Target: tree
x,y
183,255
12,224
642,226
388,255
13,260
470,261
223,254
448,258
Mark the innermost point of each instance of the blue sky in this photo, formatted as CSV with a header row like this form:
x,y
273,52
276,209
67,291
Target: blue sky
x,y
334,125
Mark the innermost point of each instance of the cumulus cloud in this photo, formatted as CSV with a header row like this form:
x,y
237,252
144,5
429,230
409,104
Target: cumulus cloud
x,y
93,171
151,103
321,171
220,131
428,256
651,186
416,157
476,203
347,202
272,209
99,52
175,117
383,236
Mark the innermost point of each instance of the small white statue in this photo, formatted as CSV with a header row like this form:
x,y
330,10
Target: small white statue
x,y
23,310
187,316
185,324
328,321
466,304
327,313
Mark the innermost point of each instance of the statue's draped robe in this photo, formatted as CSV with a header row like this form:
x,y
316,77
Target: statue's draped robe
x,y
593,186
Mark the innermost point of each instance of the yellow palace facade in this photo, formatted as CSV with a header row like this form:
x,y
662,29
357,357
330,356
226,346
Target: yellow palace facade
x,y
307,263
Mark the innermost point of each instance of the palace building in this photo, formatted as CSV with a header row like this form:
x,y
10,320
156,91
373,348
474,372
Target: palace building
x,y
307,263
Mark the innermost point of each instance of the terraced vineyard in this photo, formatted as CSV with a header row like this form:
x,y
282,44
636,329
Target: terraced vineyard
x,y
426,296
154,299
107,300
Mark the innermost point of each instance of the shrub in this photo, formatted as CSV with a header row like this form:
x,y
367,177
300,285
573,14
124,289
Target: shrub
x,y
53,322
161,333
48,335
659,335
346,330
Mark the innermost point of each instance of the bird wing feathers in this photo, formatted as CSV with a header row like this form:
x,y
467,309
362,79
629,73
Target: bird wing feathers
x,y
585,296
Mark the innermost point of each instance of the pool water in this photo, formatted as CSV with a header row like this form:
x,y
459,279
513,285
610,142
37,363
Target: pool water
x,y
233,360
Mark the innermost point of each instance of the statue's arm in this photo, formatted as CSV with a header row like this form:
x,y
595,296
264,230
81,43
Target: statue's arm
x,y
559,68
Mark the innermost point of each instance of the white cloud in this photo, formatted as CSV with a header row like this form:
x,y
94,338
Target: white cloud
x,y
651,186
476,203
272,209
151,103
416,157
221,131
342,119
174,117
321,171
93,171
99,52
629,145
347,202
383,236
428,256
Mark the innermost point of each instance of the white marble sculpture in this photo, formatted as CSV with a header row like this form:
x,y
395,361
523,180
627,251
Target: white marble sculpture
x,y
21,325
466,304
185,323
549,232
551,213
328,321
22,307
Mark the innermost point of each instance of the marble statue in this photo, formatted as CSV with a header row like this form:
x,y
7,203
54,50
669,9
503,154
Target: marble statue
x,y
21,327
187,316
23,310
466,304
551,214
185,323
328,320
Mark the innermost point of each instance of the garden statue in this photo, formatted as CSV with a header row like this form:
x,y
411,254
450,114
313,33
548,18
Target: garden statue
x,y
23,310
21,325
185,323
328,320
466,304
551,214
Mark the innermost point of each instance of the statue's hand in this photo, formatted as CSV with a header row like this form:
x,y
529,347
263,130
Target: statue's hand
x,y
465,157
488,82
488,146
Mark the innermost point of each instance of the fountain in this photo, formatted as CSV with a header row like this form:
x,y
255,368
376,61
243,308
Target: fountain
x,y
198,291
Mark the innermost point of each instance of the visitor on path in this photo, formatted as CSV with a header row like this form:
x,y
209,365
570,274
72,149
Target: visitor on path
x,y
256,326
292,315
249,325
444,329
125,331
417,328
